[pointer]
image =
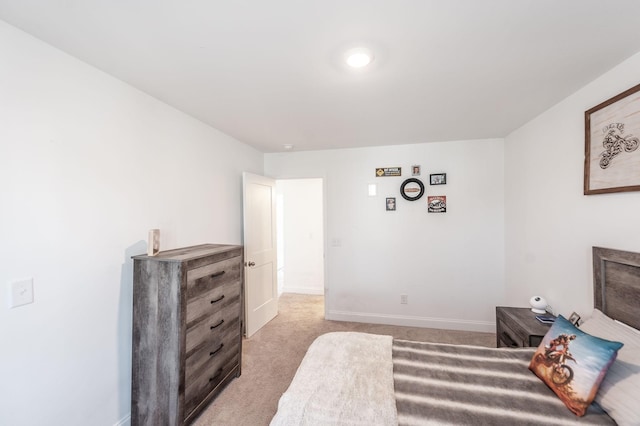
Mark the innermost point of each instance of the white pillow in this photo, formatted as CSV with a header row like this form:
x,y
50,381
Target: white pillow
x,y
618,393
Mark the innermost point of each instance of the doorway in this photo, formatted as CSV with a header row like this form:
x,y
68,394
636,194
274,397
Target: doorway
x,y
300,236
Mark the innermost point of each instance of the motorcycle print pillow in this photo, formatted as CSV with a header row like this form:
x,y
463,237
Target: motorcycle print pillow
x,y
573,363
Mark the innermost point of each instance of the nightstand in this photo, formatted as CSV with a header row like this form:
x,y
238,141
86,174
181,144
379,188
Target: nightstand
x,y
518,328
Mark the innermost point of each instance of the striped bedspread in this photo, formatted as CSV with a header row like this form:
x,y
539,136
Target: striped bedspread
x,y
468,385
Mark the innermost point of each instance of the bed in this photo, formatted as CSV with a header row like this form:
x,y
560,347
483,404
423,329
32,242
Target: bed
x,y
376,380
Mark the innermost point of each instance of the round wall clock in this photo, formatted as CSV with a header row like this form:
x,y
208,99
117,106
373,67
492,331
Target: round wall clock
x,y
412,189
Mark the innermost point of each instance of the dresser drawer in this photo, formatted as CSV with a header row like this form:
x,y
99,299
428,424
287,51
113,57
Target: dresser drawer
x,y
215,322
201,387
212,347
211,321
207,367
214,302
214,275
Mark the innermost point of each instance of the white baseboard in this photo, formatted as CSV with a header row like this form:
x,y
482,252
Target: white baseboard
x,y
125,421
303,290
413,321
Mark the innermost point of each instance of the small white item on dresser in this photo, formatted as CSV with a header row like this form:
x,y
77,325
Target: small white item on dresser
x,y
538,304
153,247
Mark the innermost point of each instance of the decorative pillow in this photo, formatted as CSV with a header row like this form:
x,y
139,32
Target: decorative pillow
x,y
573,363
618,394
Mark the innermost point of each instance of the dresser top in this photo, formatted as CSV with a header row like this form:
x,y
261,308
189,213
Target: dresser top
x,y
187,253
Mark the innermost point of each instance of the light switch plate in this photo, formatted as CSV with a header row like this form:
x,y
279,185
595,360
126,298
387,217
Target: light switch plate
x,y
20,292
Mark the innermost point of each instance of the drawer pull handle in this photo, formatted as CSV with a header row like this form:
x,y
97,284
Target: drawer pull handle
x,y
218,299
217,350
217,325
217,274
215,376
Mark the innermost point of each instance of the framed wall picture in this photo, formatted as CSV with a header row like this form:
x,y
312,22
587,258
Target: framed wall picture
x,y
412,189
438,179
437,204
612,156
574,318
388,171
391,204
415,170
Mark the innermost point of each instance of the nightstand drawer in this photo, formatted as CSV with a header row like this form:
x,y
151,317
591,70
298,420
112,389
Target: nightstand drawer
x,y
507,337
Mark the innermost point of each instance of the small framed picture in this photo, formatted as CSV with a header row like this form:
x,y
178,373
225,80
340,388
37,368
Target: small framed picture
x,y
391,204
415,170
438,179
437,204
574,318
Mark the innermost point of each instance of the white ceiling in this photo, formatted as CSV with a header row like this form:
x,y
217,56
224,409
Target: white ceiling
x,y
270,73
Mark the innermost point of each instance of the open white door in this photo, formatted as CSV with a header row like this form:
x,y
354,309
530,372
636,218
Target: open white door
x,y
260,267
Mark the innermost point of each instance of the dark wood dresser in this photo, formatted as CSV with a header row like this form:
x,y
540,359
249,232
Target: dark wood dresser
x,y
187,331
518,328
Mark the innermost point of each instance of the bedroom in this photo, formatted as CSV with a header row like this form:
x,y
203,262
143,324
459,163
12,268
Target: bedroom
x,y
83,192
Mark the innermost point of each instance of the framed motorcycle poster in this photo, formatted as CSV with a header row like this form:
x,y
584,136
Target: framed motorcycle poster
x,y
437,204
612,136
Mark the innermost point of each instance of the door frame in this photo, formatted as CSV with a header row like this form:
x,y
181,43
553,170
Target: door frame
x,y
324,179
323,234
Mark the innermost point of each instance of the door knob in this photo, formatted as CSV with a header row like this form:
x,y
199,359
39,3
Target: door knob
x,y
251,264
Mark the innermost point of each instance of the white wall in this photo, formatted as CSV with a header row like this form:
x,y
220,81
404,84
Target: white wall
x,y
87,166
302,236
550,225
450,265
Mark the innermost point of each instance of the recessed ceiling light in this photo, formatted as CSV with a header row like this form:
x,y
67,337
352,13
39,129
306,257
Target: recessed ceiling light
x,y
287,147
359,57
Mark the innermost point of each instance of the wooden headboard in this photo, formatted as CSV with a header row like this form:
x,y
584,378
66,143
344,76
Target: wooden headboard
x,y
616,284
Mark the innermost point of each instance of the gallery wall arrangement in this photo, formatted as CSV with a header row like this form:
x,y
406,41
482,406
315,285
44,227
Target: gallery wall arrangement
x,y
412,189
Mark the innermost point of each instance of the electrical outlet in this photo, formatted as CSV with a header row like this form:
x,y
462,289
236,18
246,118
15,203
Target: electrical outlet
x,y
20,292
404,299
